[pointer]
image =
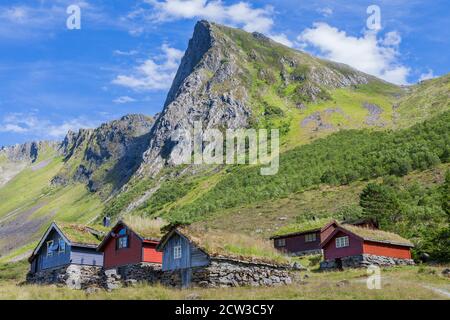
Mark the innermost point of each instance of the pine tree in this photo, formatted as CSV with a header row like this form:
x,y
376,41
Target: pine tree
x,y
380,203
446,194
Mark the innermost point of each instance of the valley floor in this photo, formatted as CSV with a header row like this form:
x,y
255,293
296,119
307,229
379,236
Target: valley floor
x,y
404,283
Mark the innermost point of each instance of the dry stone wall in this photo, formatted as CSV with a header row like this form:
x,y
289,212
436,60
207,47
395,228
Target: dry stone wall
x,y
365,260
220,273
231,273
73,276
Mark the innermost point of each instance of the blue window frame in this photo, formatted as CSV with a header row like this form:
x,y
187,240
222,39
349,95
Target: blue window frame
x,y
122,241
62,246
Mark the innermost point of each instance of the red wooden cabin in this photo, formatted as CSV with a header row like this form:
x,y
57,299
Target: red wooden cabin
x,y
304,242
123,246
352,241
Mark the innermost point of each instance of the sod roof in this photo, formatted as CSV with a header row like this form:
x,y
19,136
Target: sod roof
x,y
80,234
233,246
378,235
298,228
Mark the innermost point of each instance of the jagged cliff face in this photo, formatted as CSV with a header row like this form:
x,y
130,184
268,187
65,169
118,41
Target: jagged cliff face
x,y
105,158
224,81
14,159
27,152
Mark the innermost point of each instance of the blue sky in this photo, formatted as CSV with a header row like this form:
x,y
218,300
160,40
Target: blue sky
x,y
123,58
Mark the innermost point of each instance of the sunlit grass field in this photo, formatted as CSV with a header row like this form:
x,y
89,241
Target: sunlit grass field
x,y
404,283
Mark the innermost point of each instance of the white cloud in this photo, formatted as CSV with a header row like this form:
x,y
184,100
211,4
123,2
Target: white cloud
x,y
283,39
13,128
125,53
368,53
240,14
123,100
326,12
31,124
155,73
427,75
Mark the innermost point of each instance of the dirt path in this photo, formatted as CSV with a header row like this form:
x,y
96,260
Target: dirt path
x,y
440,291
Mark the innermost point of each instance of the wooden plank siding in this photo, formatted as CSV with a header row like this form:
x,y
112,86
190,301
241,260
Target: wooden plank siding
x,y
355,247
86,256
57,259
115,257
191,256
72,254
150,254
387,250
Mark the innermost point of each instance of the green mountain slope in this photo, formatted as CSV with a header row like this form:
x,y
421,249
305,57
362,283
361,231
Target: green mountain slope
x,y
29,202
338,159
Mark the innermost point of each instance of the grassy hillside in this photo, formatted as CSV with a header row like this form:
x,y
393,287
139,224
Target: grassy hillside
x,y
339,159
322,202
305,97
29,203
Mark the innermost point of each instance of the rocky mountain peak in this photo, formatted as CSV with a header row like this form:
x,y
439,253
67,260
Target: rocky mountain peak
x,y
107,154
26,152
225,80
202,40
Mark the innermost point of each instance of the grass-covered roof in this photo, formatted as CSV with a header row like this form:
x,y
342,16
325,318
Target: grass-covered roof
x,y
378,235
80,234
235,246
145,227
302,227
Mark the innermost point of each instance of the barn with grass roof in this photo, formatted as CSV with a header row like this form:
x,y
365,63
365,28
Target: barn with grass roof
x,y
66,253
303,239
193,256
354,246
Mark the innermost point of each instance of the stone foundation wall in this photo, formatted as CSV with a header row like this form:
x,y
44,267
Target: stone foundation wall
x,y
307,253
231,273
73,276
141,272
220,273
365,260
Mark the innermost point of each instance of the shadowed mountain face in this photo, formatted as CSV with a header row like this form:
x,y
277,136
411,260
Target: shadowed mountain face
x,y
105,158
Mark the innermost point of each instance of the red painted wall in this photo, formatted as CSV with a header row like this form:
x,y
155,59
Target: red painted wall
x,y
331,252
115,258
150,253
298,243
387,250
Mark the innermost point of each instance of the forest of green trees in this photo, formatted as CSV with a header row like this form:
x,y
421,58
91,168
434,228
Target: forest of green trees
x,y
338,159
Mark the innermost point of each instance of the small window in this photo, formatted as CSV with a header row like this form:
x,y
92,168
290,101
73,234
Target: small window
x,y
310,237
123,232
177,252
342,242
50,248
280,243
122,242
62,246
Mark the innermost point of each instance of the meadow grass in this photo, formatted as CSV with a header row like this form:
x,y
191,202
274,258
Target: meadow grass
x,y
401,283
